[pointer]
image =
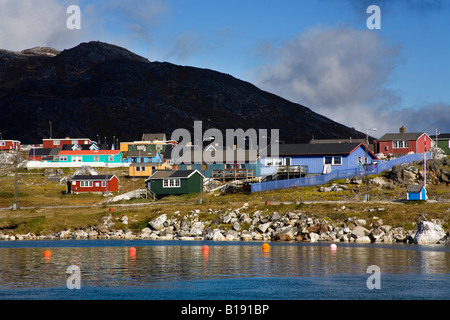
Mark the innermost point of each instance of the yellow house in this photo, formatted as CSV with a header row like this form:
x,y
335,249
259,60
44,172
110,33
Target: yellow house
x,y
146,169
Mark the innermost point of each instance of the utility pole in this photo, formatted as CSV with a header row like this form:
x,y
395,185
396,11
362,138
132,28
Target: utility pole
x,y
16,181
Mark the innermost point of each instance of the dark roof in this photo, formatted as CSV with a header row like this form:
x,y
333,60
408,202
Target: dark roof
x,y
401,136
344,140
318,149
93,177
81,146
141,154
164,174
40,152
154,136
441,136
414,188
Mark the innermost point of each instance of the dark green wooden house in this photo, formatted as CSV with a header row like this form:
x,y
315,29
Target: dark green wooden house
x,y
175,182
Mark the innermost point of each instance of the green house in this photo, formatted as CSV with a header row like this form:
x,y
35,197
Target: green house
x,y
175,182
443,142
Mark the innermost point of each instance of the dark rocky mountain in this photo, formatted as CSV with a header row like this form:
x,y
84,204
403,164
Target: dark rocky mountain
x,y
101,89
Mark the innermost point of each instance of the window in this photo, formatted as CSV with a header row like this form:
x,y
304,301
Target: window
x,y
171,183
97,184
86,184
110,158
56,142
62,158
2,143
138,168
74,183
400,144
360,161
74,141
337,161
96,158
334,161
273,162
189,167
77,158
103,183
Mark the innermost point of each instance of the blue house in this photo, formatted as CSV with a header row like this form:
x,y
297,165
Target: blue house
x,y
416,192
143,157
315,159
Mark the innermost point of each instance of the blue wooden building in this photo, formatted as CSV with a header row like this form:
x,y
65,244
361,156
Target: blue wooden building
x,y
416,192
316,158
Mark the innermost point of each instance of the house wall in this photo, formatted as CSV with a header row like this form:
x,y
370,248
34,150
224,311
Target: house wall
x,y
191,185
102,158
9,145
50,143
444,145
316,163
416,146
112,186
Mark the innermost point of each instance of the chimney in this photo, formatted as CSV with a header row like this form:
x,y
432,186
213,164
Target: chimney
x,y
402,129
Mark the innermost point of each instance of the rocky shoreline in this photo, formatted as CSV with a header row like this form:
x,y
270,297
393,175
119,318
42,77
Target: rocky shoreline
x,y
233,225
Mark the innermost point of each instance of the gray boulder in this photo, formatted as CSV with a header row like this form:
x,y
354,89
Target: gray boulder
x,y
428,233
158,223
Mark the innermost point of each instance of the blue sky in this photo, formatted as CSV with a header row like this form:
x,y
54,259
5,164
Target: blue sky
x,y
318,53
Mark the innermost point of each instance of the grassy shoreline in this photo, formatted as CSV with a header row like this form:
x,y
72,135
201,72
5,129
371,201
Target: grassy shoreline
x,y
53,211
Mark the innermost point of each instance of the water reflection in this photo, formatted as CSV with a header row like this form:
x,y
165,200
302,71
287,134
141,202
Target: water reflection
x,y
105,266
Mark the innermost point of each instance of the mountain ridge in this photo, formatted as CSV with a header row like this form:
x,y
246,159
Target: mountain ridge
x,y
101,90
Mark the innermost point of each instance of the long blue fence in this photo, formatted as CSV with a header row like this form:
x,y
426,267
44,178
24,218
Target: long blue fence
x,y
339,174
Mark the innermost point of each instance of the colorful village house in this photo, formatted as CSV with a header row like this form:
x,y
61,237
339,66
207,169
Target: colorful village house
x,y
175,182
93,158
9,145
402,143
298,160
93,183
58,143
416,192
145,170
442,141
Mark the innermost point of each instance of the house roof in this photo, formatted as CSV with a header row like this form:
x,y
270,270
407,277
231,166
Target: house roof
x,y
88,152
154,136
401,136
39,152
414,188
179,174
81,146
141,154
93,177
319,149
441,136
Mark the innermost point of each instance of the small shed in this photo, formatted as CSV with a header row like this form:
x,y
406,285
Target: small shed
x,y
416,192
175,182
93,183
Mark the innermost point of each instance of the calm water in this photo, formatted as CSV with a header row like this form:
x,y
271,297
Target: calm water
x,y
177,270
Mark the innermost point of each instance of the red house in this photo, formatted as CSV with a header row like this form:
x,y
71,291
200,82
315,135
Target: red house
x,y
402,143
58,143
9,145
93,183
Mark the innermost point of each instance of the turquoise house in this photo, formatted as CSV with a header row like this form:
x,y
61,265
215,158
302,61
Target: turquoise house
x,y
77,158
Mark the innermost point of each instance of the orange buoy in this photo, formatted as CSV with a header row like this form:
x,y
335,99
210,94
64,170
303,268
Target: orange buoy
x,y
265,247
132,251
205,249
47,253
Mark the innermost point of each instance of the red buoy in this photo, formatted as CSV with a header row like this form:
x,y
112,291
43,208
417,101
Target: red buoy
x,y
47,253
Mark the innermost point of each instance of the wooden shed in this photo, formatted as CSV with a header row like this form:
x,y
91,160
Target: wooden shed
x,y
416,192
175,182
